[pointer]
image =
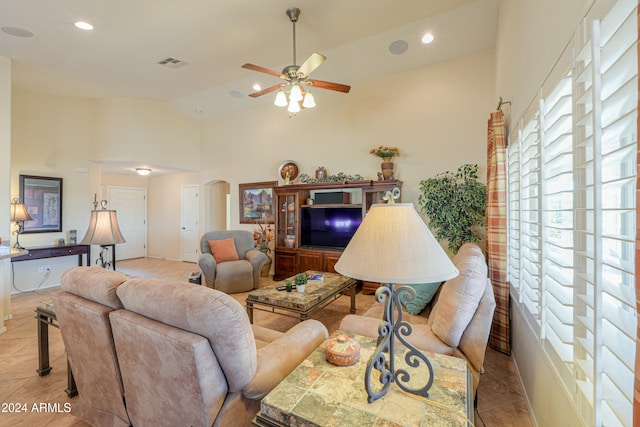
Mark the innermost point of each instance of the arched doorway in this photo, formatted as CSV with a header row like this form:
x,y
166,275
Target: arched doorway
x,y
216,205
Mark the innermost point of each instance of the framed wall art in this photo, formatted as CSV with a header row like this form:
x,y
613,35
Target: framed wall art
x,y
42,196
256,202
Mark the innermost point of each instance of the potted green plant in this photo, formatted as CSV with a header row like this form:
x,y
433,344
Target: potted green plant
x,y
289,286
455,204
301,282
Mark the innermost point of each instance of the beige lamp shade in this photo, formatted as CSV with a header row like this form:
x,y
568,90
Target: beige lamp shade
x,y
19,212
394,245
103,229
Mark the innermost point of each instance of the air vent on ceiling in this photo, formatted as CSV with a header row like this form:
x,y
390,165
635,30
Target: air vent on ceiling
x,y
172,63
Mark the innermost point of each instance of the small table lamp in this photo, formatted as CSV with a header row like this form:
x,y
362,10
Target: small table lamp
x,y
19,214
103,230
394,246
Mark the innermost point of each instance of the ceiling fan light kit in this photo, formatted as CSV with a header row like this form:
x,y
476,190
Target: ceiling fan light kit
x,y
296,77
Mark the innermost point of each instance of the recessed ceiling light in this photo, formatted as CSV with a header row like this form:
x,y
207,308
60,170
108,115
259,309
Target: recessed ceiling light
x,y
236,94
17,32
427,38
398,47
257,86
83,25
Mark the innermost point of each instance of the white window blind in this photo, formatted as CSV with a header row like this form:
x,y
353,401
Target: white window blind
x,y
530,217
572,187
557,224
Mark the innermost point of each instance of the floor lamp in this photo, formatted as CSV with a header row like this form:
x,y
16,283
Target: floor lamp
x,y
393,246
19,214
103,230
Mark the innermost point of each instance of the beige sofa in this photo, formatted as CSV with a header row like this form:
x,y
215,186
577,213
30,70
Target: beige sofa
x,y
457,322
149,352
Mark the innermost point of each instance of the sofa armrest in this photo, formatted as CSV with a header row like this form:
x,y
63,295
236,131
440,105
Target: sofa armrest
x,y
360,325
258,260
277,359
208,265
474,339
421,335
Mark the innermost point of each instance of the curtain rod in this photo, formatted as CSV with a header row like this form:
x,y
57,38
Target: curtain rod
x,y
501,103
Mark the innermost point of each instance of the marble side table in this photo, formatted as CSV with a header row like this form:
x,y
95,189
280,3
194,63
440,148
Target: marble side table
x,y
318,393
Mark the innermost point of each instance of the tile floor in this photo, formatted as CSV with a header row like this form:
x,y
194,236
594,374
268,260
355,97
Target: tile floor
x,y
500,401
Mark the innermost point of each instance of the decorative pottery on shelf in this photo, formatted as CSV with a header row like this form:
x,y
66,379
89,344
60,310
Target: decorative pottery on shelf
x,y
387,169
321,173
342,351
386,154
289,241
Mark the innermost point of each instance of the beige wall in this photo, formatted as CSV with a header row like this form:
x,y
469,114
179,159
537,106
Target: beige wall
x,y
5,145
5,185
149,132
436,115
164,214
51,136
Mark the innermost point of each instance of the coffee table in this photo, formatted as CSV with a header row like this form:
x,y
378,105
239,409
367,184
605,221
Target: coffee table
x,y
301,305
319,393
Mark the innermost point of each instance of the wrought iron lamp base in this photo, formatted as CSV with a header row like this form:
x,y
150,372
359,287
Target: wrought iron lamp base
x,y
383,360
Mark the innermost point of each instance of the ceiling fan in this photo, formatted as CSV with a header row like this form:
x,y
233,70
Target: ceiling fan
x,y
297,77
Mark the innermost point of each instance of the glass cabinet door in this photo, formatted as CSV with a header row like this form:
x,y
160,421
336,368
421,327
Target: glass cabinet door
x,y
287,222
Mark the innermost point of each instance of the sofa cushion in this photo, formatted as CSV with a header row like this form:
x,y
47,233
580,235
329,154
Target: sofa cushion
x,y
424,295
223,250
460,296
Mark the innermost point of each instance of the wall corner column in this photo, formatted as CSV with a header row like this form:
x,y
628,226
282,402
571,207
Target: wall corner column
x,y
5,187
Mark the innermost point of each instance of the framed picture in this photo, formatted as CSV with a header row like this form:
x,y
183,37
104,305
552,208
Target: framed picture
x,y
256,202
42,196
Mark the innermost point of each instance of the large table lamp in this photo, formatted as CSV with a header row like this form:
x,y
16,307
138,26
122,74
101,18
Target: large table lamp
x,y
103,230
19,214
393,246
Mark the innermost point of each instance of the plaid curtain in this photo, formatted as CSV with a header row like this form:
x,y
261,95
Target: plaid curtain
x,y
497,230
636,393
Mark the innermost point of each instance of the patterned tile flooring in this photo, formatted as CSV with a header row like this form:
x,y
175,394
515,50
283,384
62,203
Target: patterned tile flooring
x,y
500,400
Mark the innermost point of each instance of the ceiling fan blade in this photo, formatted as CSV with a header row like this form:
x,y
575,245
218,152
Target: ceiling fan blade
x,y
329,85
265,91
261,69
311,64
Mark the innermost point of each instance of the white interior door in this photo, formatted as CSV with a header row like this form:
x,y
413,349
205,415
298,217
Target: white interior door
x,y
190,220
130,205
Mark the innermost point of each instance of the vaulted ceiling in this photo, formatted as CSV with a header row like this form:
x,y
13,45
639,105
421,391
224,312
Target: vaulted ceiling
x,y
213,38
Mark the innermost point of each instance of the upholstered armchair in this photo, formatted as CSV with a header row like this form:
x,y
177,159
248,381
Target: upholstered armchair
x,y
189,355
229,261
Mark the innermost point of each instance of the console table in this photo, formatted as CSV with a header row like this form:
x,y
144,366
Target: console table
x,y
55,251
319,393
47,317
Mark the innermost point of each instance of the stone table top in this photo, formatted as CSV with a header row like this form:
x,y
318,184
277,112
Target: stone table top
x,y
318,393
314,293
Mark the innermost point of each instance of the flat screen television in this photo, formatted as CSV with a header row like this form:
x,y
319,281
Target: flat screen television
x,y
329,227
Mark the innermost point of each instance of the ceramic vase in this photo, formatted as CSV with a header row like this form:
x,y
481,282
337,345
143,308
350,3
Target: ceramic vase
x,y
266,267
387,168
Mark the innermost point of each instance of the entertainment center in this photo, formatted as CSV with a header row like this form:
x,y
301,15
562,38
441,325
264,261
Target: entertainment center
x,y
314,222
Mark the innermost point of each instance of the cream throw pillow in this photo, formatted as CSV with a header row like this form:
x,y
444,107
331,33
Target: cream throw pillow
x,y
460,296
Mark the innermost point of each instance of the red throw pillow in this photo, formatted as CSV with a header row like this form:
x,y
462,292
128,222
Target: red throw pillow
x,y
223,250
